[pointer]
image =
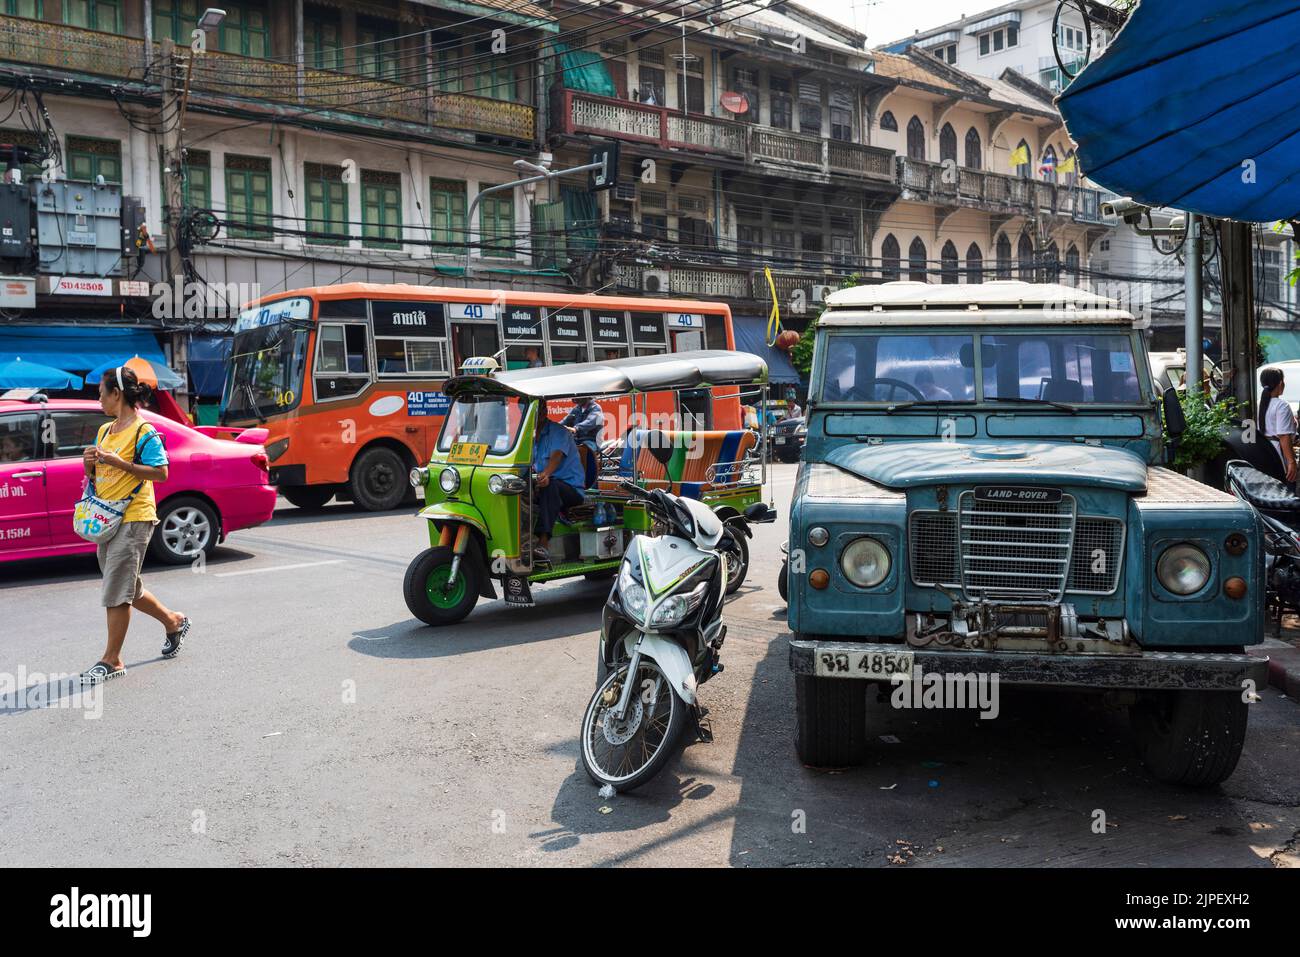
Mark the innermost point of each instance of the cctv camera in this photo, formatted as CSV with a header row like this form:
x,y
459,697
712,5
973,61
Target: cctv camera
x,y
1128,209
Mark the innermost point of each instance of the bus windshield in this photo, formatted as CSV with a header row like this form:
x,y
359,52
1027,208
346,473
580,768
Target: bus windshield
x,y
267,366
491,420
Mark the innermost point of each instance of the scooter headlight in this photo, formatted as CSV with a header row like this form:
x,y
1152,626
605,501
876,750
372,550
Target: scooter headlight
x,y
449,480
1183,569
635,601
672,610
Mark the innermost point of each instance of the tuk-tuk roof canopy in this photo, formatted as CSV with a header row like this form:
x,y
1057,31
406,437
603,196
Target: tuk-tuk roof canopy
x,y
660,373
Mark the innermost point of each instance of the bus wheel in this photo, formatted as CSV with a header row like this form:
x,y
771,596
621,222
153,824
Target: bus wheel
x,y
378,480
426,591
308,497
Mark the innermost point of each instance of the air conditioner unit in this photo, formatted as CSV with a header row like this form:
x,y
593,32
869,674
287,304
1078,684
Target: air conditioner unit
x,y
654,280
820,291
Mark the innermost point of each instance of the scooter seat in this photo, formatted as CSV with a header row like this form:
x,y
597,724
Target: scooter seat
x,y
1263,491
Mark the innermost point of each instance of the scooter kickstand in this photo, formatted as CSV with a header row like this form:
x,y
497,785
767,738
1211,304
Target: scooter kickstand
x,y
703,728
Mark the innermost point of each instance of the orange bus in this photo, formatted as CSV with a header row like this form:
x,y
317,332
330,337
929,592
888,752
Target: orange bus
x,y
348,378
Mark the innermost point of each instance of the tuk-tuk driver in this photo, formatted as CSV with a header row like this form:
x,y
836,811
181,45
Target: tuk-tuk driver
x,y
586,421
559,479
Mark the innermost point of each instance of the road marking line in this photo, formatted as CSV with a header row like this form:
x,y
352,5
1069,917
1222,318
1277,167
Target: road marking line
x,y
279,568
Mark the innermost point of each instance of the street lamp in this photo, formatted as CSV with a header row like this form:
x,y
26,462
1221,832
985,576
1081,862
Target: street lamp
x,y
211,18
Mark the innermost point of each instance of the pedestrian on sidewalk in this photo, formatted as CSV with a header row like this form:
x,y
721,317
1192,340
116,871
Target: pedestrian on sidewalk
x,y
127,458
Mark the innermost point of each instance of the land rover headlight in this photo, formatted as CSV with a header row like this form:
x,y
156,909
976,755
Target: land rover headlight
x,y
419,477
1183,569
449,480
865,562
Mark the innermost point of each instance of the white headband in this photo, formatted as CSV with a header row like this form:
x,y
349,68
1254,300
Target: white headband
x,y
118,370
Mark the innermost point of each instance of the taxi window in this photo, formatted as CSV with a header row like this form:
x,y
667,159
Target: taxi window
x,y
73,432
18,437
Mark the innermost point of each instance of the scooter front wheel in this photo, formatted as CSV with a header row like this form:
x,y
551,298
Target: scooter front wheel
x,y
628,752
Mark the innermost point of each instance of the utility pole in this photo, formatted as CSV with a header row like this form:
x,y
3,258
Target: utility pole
x,y
1193,318
172,161
1239,326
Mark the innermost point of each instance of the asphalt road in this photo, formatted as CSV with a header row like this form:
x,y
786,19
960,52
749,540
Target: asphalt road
x,y
311,721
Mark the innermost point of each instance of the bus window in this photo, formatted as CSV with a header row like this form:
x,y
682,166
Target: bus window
x,y
695,408
397,357
715,332
607,353
648,330
524,357
564,355
470,339
342,360
687,340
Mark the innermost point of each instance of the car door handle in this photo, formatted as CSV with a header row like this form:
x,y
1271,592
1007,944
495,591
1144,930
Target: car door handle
x,y
28,474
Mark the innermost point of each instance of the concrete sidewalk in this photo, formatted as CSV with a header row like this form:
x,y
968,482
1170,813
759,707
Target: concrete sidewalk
x,y
1283,665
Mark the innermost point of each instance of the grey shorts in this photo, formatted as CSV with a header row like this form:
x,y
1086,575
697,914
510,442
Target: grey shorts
x,y
120,559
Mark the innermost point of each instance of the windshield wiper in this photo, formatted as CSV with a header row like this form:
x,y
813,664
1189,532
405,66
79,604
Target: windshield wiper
x,y
924,404
1052,402
252,403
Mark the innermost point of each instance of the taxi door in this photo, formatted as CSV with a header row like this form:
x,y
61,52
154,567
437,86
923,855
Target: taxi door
x,y
24,522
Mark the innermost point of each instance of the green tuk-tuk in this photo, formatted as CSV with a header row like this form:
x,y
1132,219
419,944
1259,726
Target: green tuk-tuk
x,y
478,487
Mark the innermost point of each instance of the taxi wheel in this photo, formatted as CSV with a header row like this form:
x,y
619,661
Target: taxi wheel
x,y
186,527
378,480
426,592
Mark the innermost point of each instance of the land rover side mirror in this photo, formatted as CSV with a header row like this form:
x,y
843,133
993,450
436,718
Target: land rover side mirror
x,y
1175,420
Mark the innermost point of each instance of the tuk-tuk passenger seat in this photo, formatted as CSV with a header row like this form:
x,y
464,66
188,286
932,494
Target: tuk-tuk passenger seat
x,y
699,460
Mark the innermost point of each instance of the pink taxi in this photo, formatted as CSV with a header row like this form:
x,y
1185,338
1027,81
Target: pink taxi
x,y
215,484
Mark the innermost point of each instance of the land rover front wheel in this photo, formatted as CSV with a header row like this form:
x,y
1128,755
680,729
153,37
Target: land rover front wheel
x,y
1192,738
830,721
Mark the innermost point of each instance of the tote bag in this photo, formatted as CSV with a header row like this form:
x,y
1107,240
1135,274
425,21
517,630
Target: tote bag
x,y
96,519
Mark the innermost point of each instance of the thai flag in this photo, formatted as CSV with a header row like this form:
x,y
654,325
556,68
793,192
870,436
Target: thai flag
x,y
1048,166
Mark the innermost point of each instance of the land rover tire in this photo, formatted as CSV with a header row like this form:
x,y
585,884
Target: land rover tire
x,y
1192,738
379,479
830,721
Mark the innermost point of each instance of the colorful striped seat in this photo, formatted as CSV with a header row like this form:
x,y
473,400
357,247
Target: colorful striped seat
x,y
698,461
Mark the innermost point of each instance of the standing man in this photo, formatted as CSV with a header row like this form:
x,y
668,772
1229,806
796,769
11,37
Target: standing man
x,y
586,421
558,481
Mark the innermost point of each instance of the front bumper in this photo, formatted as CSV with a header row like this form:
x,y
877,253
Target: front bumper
x,y
1150,670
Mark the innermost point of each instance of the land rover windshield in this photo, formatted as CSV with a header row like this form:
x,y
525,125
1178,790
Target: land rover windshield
x,y
1068,368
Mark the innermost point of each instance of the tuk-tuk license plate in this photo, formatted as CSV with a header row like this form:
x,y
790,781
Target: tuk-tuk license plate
x,y
467,453
863,664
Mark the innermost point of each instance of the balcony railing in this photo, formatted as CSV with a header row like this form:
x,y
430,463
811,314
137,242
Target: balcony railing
x,y
996,192
577,112
36,43
735,284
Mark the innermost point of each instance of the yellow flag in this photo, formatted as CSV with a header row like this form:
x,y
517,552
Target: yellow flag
x,y
774,317
1020,156
1069,165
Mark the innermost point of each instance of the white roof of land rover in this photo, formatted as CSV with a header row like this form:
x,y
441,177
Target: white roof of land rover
x,y
1004,301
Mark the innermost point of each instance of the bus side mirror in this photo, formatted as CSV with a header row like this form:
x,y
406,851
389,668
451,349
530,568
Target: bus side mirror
x,y
1175,420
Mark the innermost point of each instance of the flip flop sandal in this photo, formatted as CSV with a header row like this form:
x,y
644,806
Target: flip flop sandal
x,y
172,646
100,672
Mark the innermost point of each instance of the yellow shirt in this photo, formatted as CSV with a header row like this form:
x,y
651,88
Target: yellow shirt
x,y
112,483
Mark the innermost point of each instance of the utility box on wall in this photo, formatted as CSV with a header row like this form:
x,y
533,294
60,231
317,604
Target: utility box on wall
x,y
15,221
79,227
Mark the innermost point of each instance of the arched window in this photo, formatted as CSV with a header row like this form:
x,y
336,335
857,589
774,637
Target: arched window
x,y
1072,265
887,121
1004,257
1025,254
915,139
916,261
975,263
1072,177
947,143
974,153
1052,263
1024,169
948,272
889,257
1049,165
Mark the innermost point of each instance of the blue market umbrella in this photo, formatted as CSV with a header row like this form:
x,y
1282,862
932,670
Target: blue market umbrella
x,y
1193,105
21,374
152,372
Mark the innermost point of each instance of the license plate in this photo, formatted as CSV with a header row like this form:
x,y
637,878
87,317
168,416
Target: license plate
x,y
780,441
467,453
863,664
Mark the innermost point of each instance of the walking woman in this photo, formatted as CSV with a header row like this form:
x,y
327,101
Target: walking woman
x,y
126,459
1278,421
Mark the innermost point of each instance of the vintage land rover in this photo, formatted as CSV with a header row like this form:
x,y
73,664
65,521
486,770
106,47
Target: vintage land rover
x,y
981,495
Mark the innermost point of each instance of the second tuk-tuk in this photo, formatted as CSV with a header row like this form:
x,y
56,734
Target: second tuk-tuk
x,y
478,487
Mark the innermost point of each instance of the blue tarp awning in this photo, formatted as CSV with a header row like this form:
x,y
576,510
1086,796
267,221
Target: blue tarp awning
x,y
1193,106
78,348
751,337
207,364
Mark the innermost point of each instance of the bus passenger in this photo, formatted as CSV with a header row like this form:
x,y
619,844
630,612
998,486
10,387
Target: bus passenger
x,y
559,479
586,421
533,356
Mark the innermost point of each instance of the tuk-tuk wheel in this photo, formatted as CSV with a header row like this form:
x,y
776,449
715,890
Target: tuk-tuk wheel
x,y
426,591
736,554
